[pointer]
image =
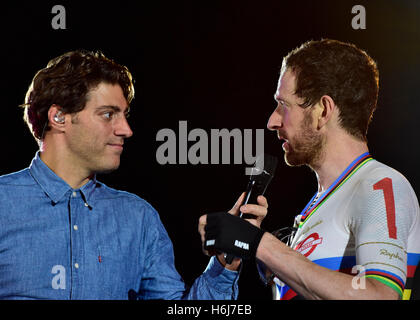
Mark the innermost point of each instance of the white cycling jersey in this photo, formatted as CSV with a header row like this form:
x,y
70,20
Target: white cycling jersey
x,y
367,223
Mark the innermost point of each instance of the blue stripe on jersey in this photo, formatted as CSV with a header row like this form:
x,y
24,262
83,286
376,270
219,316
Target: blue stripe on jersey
x,y
334,263
413,259
347,262
282,290
337,263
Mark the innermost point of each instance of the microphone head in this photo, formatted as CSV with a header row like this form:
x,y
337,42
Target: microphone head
x,y
265,163
270,164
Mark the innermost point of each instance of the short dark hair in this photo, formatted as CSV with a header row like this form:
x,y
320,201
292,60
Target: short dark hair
x,y
342,71
66,82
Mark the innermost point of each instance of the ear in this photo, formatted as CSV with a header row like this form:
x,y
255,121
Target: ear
x,y
327,107
56,118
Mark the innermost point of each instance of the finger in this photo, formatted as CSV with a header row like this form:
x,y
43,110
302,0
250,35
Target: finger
x,y
235,210
202,221
255,210
262,201
260,209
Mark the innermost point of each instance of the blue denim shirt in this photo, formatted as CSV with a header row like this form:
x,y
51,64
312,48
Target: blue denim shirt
x,y
91,243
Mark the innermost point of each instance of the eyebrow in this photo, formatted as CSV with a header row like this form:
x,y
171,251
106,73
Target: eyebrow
x,y
278,98
113,108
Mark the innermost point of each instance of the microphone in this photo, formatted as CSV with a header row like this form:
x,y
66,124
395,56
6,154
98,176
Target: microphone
x,y
261,175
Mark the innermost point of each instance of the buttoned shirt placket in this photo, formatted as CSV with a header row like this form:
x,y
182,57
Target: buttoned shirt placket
x,y
77,209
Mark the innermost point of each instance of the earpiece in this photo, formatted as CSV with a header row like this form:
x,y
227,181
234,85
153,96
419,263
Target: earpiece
x,y
58,118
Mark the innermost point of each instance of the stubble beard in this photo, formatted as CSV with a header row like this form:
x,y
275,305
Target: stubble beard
x,y
307,146
90,156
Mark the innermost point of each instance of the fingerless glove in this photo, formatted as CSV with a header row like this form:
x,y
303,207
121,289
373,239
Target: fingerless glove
x,y
230,234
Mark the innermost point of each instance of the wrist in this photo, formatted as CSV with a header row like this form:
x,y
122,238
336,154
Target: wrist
x,y
259,254
231,234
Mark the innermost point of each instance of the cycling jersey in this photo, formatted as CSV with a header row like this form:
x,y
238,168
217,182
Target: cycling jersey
x,y
366,224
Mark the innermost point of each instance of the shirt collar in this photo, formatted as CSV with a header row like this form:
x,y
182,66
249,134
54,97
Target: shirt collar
x,y
53,185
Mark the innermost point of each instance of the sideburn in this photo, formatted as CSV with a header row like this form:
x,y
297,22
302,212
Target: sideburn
x,y
75,118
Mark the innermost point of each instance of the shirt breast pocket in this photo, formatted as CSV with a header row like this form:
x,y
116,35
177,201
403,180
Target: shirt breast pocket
x,y
109,268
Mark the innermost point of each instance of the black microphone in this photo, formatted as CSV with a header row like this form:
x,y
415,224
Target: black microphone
x,y
261,175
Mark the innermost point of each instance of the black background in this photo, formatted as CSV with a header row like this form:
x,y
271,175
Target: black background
x,y
214,64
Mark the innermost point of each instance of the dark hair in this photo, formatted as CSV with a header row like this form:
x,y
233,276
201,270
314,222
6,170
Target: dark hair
x,y
343,72
66,82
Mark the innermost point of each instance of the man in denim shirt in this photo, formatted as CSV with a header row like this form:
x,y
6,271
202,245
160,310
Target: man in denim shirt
x,y
64,235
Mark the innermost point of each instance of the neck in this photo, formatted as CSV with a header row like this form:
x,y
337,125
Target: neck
x,y
61,163
337,156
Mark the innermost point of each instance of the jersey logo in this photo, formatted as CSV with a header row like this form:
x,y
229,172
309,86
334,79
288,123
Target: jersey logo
x,y
308,245
242,245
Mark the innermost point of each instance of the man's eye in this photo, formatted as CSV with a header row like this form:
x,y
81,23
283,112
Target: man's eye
x,y
284,105
280,103
108,115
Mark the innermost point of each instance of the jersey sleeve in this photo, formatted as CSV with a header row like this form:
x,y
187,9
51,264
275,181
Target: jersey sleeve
x,y
385,210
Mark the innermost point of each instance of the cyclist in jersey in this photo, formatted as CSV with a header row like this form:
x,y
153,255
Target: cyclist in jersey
x,y
359,236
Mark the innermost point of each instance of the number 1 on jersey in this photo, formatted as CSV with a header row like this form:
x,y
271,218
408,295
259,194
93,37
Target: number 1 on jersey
x,y
386,186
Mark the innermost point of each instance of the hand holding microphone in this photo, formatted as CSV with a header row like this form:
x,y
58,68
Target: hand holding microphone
x,y
224,232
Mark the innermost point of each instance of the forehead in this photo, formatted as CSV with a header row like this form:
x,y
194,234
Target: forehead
x,y
106,94
286,85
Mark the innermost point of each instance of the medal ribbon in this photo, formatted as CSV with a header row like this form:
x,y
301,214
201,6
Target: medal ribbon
x,y
347,173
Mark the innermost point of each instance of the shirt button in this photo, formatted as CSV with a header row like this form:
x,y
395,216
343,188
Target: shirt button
x,y
76,265
74,194
75,227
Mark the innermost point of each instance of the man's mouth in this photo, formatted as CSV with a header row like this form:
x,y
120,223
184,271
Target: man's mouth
x,y
285,144
282,137
118,146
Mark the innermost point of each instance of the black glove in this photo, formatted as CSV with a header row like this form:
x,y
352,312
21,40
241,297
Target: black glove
x,y
230,234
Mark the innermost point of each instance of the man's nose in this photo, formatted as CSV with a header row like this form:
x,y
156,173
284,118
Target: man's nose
x,y
123,128
275,121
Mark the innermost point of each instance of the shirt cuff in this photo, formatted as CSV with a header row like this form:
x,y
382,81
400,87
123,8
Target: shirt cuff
x,y
222,279
387,278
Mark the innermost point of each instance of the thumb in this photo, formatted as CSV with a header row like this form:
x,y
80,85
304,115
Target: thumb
x,y
235,209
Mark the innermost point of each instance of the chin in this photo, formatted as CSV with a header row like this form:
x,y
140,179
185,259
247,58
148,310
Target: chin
x,y
293,159
109,167
292,162
106,170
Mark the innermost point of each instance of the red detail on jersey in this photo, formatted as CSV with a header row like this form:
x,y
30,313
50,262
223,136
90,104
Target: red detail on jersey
x,y
411,270
99,259
386,186
308,245
289,295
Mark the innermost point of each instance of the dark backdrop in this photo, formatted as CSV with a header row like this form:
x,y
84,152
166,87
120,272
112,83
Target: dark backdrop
x,y
214,64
